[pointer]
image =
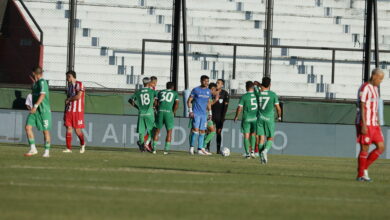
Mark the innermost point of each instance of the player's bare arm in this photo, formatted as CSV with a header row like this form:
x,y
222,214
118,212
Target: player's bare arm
x,y
132,103
74,98
362,115
209,109
156,103
189,105
175,107
238,112
215,100
378,121
225,111
39,101
279,112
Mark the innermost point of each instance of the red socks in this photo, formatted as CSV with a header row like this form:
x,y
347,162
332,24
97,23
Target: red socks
x,y
257,148
81,138
362,163
372,157
69,140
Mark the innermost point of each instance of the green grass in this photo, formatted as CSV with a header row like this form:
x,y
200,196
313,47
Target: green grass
x,y
132,185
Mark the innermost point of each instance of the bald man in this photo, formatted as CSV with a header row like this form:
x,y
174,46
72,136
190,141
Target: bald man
x,y
367,124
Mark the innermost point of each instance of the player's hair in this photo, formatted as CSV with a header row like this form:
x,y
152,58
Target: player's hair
x,y
71,72
38,70
212,85
249,85
153,78
146,81
376,71
257,83
221,80
266,82
170,85
204,77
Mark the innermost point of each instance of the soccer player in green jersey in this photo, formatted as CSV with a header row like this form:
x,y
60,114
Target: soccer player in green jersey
x,y
144,100
168,102
268,101
248,104
40,114
211,128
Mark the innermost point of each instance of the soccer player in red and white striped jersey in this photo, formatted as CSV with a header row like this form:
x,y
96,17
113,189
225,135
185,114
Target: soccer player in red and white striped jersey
x,y
367,124
74,111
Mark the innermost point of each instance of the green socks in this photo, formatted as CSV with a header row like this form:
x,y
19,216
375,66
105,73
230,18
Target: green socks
x,y
209,137
268,145
253,142
261,147
246,145
47,145
141,138
149,137
31,141
167,146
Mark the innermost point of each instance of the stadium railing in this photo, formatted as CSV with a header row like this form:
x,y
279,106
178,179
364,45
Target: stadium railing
x,y
234,56
33,20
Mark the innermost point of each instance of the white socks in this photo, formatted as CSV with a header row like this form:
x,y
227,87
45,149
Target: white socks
x,y
33,148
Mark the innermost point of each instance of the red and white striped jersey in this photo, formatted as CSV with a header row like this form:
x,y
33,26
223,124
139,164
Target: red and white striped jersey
x,y
369,95
76,105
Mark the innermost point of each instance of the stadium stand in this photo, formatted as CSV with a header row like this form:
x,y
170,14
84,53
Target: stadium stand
x,y
110,33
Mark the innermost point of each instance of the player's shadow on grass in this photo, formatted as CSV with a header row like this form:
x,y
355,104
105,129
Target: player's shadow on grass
x,y
221,172
183,170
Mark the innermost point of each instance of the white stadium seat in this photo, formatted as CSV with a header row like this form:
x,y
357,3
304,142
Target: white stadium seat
x,y
109,42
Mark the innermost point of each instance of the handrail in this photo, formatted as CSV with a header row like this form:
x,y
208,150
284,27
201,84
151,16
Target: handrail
x,y
33,20
235,45
262,45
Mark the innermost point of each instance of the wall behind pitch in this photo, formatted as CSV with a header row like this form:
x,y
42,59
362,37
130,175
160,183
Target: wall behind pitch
x,y
120,131
117,104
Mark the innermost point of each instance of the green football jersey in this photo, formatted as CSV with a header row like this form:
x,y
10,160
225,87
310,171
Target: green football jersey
x,y
41,87
267,101
249,105
167,99
144,98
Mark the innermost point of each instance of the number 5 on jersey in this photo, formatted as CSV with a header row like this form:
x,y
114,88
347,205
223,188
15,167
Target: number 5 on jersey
x,y
253,104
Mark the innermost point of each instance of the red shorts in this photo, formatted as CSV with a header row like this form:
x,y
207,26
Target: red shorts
x,y
74,119
374,135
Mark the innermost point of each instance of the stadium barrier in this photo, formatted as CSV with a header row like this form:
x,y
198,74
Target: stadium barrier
x,y
119,131
294,111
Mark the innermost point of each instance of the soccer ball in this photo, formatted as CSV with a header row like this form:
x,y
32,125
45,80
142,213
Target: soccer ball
x,y
225,152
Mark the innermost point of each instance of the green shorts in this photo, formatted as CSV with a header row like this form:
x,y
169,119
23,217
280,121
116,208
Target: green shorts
x,y
210,123
145,123
42,121
165,118
248,126
265,127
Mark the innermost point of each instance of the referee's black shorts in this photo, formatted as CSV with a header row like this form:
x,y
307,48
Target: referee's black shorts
x,y
218,122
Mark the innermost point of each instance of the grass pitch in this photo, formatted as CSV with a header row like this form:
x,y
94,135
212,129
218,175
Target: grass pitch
x,y
132,185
